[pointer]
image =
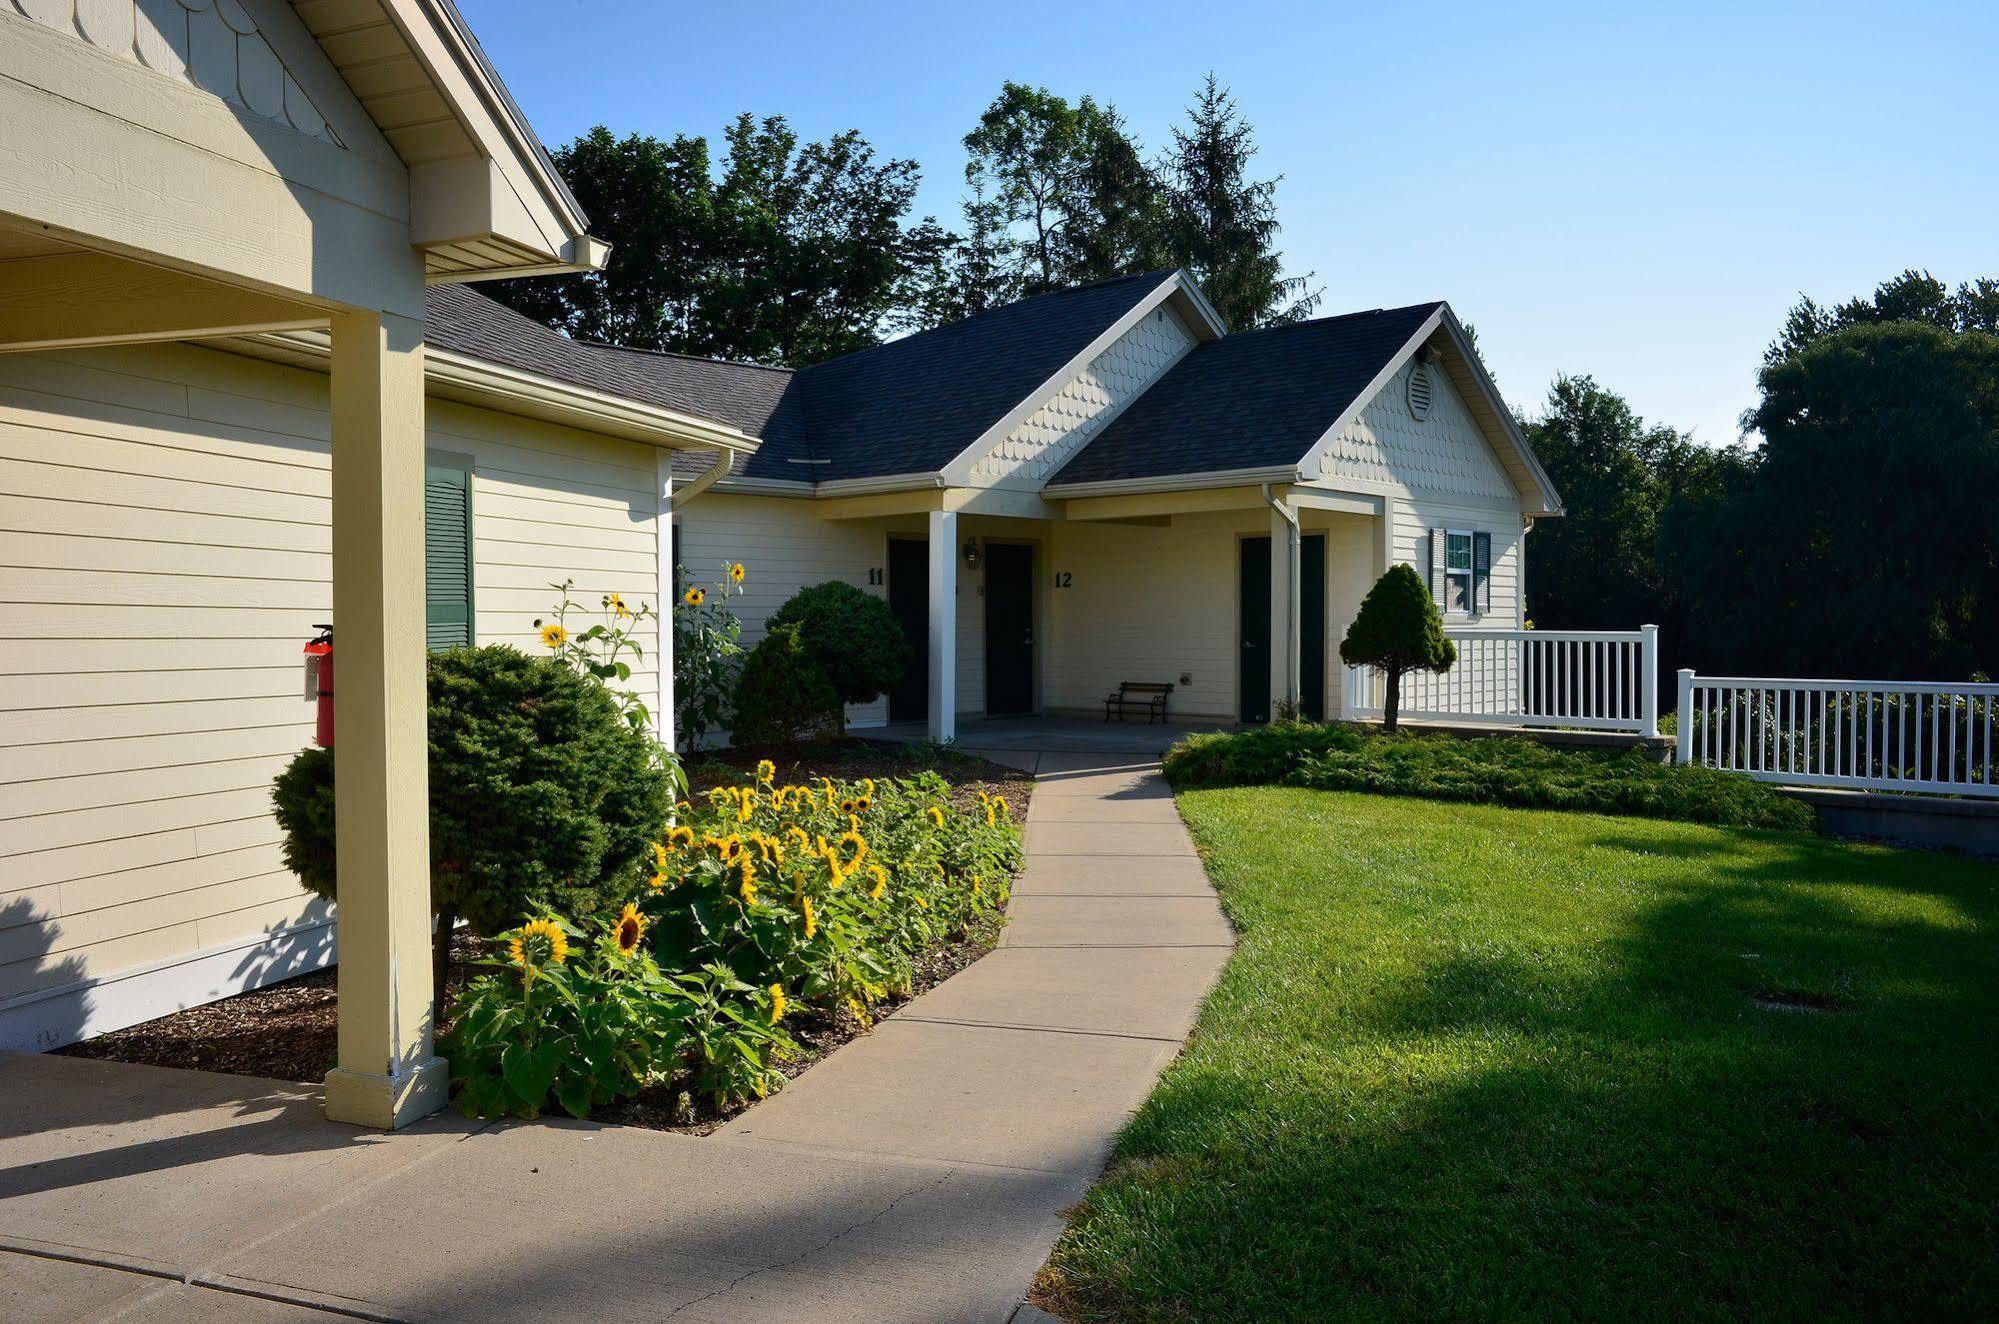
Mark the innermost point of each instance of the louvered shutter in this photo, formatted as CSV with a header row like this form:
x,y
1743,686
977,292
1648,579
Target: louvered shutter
x,y
447,556
1440,587
1481,571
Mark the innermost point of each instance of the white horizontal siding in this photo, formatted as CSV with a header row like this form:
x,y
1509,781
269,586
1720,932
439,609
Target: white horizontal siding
x,y
164,551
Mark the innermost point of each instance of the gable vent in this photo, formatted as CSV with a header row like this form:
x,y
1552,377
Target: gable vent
x,y
1419,391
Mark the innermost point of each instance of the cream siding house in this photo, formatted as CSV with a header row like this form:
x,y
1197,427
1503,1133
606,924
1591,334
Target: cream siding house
x,y
244,390
1166,504
222,227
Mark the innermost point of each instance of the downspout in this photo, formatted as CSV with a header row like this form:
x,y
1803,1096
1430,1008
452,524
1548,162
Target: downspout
x,y
705,480
1291,591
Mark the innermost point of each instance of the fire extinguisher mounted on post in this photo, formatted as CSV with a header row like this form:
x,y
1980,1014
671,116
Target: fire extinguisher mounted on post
x,y
321,651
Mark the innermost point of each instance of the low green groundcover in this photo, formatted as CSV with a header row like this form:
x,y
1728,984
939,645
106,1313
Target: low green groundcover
x,y
1505,770
1481,1063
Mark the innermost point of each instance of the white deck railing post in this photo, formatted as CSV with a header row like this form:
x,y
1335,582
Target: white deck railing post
x,y
1685,752
1648,671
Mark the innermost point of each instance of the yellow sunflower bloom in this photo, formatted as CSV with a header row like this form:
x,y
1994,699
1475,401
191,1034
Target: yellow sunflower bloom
x,y
811,919
880,875
748,887
937,816
766,771
536,942
859,845
617,607
681,835
776,1003
631,927
737,572
658,882
868,787
553,635
695,596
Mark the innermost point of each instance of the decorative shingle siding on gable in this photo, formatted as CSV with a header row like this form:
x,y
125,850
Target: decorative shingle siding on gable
x,y
1043,443
1443,455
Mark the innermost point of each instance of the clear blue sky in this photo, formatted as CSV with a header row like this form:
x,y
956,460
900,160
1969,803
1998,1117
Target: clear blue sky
x,y
1640,196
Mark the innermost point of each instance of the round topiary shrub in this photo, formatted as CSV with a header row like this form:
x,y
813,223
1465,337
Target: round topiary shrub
x,y
1398,630
782,696
541,794
852,635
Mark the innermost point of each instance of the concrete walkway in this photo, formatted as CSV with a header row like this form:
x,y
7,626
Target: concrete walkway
x,y
918,1173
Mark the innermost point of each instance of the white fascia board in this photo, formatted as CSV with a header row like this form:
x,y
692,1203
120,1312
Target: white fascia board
x,y
839,487
958,472
459,71
1190,482
1367,393
778,487
1551,500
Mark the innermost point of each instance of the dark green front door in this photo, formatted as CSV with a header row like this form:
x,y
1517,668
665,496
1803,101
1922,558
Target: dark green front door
x,y
1253,631
1312,623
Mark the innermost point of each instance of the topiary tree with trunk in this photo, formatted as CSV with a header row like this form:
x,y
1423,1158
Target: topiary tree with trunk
x,y
1398,630
852,635
542,795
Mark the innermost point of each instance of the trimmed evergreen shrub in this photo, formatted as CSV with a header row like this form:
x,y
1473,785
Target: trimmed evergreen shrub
x,y
1503,770
782,696
1398,630
852,635
542,796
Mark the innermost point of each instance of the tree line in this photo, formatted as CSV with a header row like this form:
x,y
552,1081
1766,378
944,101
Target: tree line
x,y
781,251
1859,540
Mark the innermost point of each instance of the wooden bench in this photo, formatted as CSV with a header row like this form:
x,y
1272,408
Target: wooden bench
x,y
1132,695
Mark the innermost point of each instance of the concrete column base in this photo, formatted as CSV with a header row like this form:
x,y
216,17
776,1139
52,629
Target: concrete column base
x,y
387,1103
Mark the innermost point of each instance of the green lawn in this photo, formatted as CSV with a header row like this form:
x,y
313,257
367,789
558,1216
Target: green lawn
x,y
1471,1061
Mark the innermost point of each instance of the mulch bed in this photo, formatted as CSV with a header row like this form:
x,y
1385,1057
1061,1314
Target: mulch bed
x,y
287,1031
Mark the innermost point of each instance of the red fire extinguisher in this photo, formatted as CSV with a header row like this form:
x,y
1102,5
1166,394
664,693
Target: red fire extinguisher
x,y
321,650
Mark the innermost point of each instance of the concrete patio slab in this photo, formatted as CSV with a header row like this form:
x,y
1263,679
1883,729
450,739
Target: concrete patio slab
x,y
1101,921
1086,875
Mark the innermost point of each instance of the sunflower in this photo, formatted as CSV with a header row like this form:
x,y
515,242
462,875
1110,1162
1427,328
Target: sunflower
x,y
695,596
682,835
631,927
543,934
658,882
776,1003
937,816
766,771
748,888
553,635
737,572
880,875
860,847
617,607
811,918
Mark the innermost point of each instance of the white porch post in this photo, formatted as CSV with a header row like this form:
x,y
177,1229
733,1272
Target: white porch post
x,y
388,1074
663,561
943,545
1285,609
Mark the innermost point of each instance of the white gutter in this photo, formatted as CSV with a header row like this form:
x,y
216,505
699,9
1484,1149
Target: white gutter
x,y
1193,482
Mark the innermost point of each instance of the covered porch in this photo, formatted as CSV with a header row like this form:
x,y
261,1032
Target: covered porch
x,y
1026,608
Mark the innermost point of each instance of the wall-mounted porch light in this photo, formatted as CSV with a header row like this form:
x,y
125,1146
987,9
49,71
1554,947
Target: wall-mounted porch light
x,y
971,553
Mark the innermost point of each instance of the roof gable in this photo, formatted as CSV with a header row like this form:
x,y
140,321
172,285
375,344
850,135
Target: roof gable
x,y
1252,400
914,405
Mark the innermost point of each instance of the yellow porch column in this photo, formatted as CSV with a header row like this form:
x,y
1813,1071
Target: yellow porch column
x,y
388,1074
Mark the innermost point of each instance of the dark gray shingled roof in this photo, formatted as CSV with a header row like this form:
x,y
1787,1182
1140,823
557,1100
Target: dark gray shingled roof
x,y
1252,400
908,406
739,395
911,405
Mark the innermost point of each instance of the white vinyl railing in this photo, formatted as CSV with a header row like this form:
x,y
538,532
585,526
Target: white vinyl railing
x,y
1882,735
1598,680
